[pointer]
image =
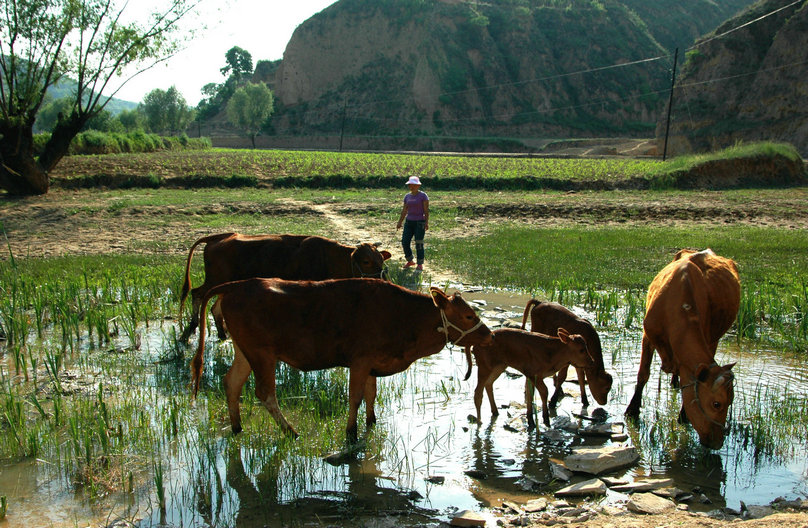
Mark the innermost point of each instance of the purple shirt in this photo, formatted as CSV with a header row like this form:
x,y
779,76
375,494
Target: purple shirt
x,y
415,205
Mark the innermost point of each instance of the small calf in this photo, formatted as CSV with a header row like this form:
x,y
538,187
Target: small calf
x,y
535,355
545,318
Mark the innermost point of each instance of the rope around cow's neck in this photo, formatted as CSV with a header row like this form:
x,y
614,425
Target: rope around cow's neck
x,y
361,275
698,402
448,324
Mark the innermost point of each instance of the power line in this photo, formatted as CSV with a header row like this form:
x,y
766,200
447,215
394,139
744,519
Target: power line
x,y
758,19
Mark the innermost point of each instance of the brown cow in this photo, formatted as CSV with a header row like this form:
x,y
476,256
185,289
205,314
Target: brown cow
x,y
373,327
233,256
691,303
537,356
545,318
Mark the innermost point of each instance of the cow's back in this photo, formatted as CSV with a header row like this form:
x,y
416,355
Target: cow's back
x,y
325,323
245,256
548,317
723,290
702,280
319,258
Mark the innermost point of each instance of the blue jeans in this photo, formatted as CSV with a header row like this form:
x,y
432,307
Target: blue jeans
x,y
417,229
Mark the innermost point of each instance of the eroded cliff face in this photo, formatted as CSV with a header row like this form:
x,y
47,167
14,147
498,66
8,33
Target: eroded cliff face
x,y
412,68
748,85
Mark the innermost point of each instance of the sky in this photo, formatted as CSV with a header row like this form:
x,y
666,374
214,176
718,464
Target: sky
x,y
262,27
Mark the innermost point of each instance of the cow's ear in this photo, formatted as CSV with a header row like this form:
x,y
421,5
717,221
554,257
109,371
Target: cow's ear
x,y
563,335
385,254
729,367
702,372
438,297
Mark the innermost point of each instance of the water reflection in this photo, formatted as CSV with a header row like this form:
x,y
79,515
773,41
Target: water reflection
x,y
425,431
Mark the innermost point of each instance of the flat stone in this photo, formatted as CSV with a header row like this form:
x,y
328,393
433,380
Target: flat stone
x,y
587,487
555,436
559,472
649,503
507,505
515,425
758,512
669,493
622,437
612,482
436,479
602,429
564,422
476,473
597,460
644,485
468,518
535,505
529,484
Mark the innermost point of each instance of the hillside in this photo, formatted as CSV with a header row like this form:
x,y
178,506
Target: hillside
x,y
403,72
747,85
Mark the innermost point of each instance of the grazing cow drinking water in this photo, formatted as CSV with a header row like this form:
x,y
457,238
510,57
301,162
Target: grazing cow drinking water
x,y
691,303
233,256
537,356
545,318
373,327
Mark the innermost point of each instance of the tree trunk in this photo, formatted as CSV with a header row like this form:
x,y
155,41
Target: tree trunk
x,y
21,173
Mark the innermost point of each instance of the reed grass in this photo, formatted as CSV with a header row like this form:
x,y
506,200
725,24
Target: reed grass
x,y
608,269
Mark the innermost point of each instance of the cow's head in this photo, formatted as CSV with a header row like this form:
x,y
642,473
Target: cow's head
x,y
460,322
576,348
368,261
600,383
706,400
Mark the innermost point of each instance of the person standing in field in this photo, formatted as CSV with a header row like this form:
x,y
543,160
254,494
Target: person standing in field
x,y
415,219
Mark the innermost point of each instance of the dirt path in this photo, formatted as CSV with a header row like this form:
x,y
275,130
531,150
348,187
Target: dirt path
x,y
349,232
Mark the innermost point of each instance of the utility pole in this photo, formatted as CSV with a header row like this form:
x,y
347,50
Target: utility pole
x,y
670,105
342,127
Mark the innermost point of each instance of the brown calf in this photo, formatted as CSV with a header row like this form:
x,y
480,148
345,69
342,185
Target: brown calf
x,y
371,326
233,256
545,318
691,303
537,356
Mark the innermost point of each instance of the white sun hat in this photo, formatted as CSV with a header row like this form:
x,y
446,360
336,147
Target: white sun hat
x,y
413,181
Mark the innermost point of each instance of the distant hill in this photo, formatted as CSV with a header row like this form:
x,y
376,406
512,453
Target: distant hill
x,y
747,85
67,87
405,71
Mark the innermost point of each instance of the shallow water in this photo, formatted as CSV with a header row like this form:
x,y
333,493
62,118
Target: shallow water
x,y
427,433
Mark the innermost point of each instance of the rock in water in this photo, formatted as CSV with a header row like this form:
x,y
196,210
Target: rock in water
x,y
597,460
649,503
468,518
587,487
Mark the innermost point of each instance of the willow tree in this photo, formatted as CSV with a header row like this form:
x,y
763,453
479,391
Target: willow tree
x,y
97,44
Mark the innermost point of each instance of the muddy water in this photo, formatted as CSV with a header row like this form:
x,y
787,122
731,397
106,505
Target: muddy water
x,y
435,460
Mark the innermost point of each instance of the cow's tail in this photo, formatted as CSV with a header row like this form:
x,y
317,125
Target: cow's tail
x,y
530,304
196,362
468,360
186,284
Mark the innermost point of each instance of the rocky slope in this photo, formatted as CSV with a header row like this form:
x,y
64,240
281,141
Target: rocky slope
x,y
746,85
502,68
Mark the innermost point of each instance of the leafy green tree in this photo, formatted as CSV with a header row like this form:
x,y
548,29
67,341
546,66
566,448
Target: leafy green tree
x,y
239,64
238,69
166,111
250,107
132,120
91,41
